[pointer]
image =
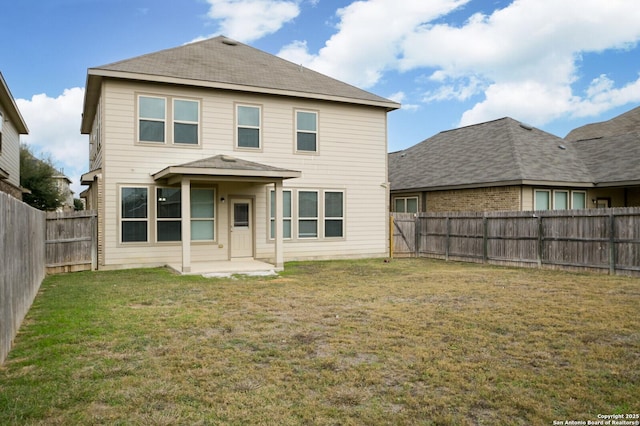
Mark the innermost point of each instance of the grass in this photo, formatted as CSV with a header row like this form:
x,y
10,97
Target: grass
x,y
344,342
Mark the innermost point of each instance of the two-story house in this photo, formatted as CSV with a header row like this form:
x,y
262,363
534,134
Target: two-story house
x,y
216,151
12,125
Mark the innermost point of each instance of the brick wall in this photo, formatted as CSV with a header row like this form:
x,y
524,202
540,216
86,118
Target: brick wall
x,y
10,189
481,199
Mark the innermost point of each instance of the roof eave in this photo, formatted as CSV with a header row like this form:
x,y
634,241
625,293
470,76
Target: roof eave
x,y
12,108
523,182
102,73
172,171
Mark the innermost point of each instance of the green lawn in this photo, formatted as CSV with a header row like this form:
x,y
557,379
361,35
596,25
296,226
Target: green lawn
x,y
325,343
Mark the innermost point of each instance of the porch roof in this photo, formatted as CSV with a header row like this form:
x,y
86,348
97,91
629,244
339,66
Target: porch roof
x,y
225,166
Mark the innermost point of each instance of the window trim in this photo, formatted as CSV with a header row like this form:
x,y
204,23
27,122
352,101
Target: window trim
x,y
404,201
204,219
237,127
562,191
169,121
325,218
317,217
573,207
139,118
535,199
122,219
296,131
272,219
174,121
157,219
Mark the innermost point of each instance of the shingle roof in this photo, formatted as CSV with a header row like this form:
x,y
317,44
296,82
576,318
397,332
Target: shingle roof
x,y
612,160
498,152
220,62
226,165
623,123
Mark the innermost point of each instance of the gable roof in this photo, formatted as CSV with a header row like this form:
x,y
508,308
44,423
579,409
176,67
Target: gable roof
x,y
619,125
223,63
495,153
10,108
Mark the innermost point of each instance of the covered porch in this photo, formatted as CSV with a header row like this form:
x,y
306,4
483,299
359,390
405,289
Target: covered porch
x,y
237,233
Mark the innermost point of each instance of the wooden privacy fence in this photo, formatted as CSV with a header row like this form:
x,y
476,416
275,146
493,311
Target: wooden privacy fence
x,y
606,240
71,242
22,260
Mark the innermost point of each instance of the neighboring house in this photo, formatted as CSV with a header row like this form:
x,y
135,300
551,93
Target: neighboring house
x,y
506,165
12,125
217,151
64,187
611,151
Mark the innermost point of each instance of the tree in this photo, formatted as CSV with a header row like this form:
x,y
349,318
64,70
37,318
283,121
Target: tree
x,y
37,176
78,204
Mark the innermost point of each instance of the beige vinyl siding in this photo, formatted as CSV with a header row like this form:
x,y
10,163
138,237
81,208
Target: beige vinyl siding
x,y
352,157
10,155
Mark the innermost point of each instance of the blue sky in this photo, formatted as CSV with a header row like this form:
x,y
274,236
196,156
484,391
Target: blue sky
x,y
554,64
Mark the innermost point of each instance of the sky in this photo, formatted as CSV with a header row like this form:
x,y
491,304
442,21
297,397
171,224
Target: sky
x,y
553,64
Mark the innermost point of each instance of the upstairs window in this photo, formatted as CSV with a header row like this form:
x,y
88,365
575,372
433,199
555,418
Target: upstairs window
x,y
157,114
248,126
185,121
306,131
152,112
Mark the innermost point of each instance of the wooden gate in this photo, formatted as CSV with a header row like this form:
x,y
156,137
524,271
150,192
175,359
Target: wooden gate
x,y
71,241
403,231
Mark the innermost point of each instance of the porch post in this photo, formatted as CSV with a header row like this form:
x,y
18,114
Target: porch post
x,y
186,224
278,226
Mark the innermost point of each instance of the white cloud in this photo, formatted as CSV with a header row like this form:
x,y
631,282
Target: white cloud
x,y
529,53
369,38
249,20
523,59
54,130
400,97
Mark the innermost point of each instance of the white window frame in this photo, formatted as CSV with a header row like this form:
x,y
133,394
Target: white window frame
x,y
404,202
238,126
159,219
122,219
584,193
272,218
325,218
175,121
308,218
298,131
140,118
204,219
567,194
169,121
535,199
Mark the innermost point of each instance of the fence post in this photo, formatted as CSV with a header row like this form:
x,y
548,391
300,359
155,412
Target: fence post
x,y
417,234
447,238
612,243
485,238
540,241
391,232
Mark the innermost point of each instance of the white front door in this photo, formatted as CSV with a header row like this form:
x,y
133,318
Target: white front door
x,y
241,230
